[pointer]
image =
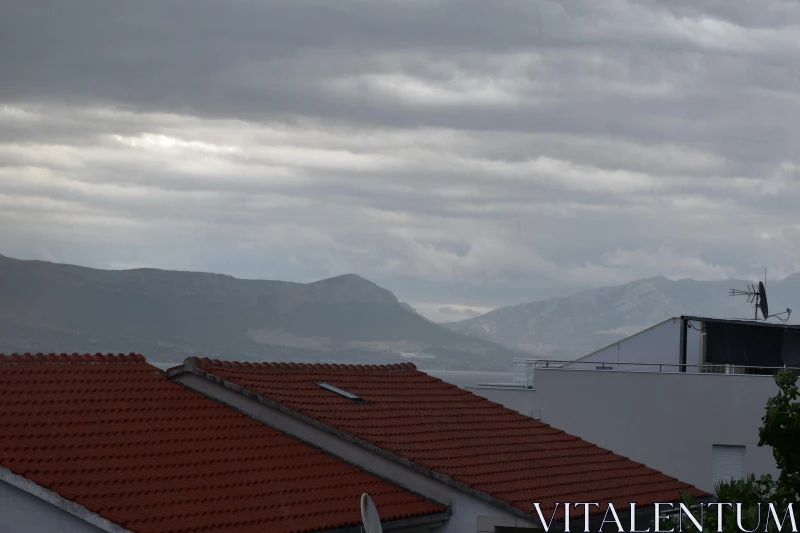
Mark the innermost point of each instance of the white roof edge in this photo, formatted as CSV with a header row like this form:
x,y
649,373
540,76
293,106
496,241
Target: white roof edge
x,y
623,340
59,501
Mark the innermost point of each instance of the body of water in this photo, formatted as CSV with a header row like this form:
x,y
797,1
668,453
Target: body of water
x,y
464,378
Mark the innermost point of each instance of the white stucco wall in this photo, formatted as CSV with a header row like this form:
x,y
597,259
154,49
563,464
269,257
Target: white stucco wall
x,y
21,512
659,344
668,421
469,513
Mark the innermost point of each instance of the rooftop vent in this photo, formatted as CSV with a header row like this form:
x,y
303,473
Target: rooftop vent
x,y
336,390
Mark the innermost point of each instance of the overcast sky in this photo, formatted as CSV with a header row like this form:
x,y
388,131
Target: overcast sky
x,y
465,154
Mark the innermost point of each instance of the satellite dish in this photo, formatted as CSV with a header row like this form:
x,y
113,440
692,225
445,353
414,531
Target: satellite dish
x,y
369,515
762,304
758,297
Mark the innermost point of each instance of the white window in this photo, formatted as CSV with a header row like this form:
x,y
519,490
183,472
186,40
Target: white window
x,y
728,463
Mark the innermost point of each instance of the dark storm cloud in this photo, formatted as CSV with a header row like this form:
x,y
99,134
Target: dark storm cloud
x,y
597,65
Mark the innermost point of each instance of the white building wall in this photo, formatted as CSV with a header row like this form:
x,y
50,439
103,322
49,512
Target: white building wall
x,y
657,345
667,421
21,512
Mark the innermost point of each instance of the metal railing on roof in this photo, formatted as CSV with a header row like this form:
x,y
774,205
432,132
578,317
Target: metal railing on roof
x,y
525,369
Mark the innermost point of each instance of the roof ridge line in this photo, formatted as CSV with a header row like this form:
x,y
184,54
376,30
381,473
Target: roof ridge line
x,y
52,357
274,365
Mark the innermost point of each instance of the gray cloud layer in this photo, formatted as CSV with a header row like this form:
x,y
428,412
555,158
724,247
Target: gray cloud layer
x,y
465,154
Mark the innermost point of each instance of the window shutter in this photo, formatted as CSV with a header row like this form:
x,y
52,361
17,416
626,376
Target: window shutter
x,y
728,463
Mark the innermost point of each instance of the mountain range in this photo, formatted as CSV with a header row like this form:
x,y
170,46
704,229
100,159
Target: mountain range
x,y
169,315
570,327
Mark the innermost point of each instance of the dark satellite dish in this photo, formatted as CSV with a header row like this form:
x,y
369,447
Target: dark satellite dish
x,y
762,300
757,296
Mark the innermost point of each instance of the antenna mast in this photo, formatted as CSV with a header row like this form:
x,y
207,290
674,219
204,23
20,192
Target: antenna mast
x,y
752,297
757,296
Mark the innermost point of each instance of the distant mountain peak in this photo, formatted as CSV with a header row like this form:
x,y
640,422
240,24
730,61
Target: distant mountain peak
x,y
343,278
659,277
792,279
169,315
569,327
351,287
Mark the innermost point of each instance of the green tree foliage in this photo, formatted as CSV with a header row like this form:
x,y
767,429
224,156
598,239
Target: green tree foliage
x,y
781,431
748,492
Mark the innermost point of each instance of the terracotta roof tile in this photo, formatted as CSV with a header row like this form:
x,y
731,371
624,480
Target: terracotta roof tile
x,y
112,434
456,433
71,358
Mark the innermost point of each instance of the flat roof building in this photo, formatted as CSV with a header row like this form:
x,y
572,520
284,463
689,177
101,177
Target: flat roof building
x,y
685,396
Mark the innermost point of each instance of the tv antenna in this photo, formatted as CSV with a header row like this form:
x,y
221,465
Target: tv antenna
x,y
369,515
757,296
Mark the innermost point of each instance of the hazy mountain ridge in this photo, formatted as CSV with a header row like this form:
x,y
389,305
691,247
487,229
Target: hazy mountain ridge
x,y
168,315
570,327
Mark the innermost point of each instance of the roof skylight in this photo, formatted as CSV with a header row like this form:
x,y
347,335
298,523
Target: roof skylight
x,y
341,392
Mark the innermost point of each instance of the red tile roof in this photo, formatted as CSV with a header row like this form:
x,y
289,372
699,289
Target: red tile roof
x,y
111,433
475,442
